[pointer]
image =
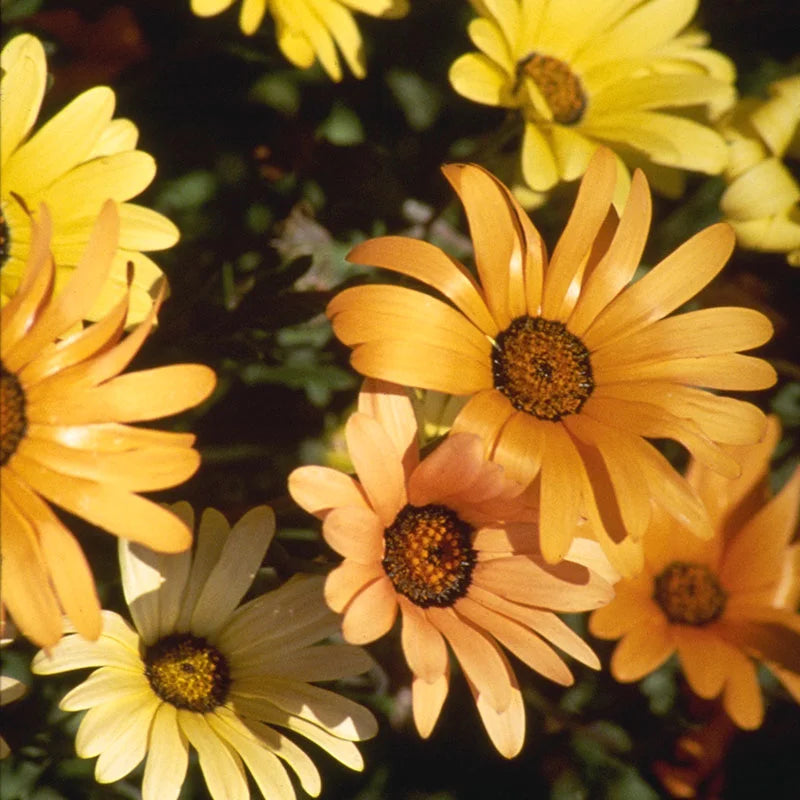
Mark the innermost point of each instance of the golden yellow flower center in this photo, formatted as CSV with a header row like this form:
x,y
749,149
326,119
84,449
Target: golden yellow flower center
x,y
428,555
558,83
13,422
188,672
542,368
689,594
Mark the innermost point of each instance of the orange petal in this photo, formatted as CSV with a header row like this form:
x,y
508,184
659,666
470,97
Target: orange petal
x,y
506,728
741,697
424,366
378,312
427,700
478,655
642,650
647,419
493,228
371,613
707,332
755,556
587,216
423,645
484,414
390,405
561,493
520,444
110,507
355,533
618,265
564,587
668,285
448,470
64,560
346,580
428,264
524,643
133,397
378,466
704,659
26,591
729,371
319,489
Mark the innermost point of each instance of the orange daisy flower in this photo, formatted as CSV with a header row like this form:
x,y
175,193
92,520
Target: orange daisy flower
x,y
449,542
720,603
62,441
568,367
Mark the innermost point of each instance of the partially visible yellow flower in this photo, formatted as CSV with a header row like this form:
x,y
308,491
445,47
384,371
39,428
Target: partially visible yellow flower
x,y
63,442
73,164
583,72
762,201
723,603
309,30
201,670
568,366
449,543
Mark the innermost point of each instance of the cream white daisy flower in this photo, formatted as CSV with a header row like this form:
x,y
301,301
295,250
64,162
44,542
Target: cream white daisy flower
x,y
200,670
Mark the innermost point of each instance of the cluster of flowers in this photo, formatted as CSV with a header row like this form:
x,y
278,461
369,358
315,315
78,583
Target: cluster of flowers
x,y
544,495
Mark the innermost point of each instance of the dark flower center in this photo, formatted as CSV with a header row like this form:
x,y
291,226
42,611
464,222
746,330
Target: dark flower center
x,y
558,83
428,555
13,422
5,240
542,368
188,672
689,594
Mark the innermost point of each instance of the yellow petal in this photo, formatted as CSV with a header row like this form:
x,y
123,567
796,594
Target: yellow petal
x,y
480,79
24,78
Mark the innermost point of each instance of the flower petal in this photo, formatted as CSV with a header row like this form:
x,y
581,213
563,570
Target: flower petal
x,y
167,756
371,613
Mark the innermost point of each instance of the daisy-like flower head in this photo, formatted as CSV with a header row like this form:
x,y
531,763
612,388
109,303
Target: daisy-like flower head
x,y
762,201
201,670
720,603
73,164
583,72
448,541
309,30
567,367
63,439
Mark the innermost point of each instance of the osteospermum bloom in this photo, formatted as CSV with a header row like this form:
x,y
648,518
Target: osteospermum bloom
x,y
73,164
63,442
583,73
201,670
448,542
568,367
309,30
722,603
762,201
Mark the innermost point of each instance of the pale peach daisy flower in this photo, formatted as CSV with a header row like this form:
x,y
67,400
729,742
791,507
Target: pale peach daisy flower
x,y
448,542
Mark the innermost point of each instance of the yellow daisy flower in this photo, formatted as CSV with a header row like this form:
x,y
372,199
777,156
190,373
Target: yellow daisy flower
x,y
63,403
583,73
720,603
567,366
448,542
201,670
73,164
309,30
762,201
